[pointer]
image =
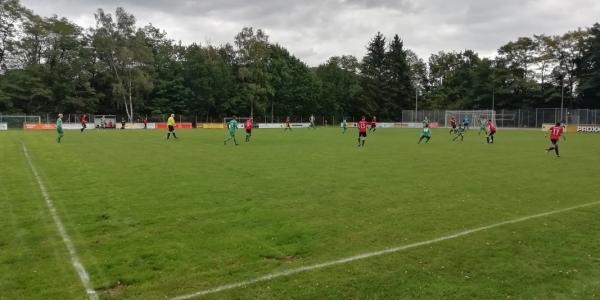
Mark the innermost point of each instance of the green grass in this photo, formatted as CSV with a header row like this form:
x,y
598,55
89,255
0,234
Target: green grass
x,y
153,219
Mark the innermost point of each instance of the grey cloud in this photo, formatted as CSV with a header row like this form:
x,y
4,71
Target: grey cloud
x,y
313,30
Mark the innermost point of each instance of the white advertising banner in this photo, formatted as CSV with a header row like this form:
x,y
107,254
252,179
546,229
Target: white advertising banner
x,y
76,126
588,128
379,125
3,126
414,125
138,126
282,125
386,125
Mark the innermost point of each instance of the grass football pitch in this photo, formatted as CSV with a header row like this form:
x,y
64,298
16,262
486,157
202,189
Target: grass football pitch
x,y
157,219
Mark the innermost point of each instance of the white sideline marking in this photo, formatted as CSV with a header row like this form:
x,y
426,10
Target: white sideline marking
x,y
83,275
372,254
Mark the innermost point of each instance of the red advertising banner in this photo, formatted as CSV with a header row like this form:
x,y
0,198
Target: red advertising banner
x,y
178,125
40,126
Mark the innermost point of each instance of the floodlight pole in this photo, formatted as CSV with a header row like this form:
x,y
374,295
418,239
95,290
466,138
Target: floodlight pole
x,y
416,103
562,97
493,91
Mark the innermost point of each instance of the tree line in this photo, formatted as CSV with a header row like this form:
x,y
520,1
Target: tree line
x,y
50,64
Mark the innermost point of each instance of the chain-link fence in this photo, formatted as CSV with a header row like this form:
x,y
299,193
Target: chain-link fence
x,y
17,121
520,118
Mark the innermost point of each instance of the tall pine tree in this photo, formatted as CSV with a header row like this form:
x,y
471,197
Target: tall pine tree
x,y
399,87
374,81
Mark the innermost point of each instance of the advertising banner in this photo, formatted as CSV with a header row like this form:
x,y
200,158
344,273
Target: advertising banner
x,y
270,125
547,126
138,126
385,125
52,126
3,126
588,128
282,125
568,128
39,126
416,125
212,125
397,125
177,125
76,126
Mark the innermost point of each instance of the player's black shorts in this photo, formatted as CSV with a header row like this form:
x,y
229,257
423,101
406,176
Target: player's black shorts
x,y
83,125
171,128
362,134
465,124
373,125
248,130
453,126
492,132
554,141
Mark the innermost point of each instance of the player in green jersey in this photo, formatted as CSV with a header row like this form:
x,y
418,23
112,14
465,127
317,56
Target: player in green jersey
x,y
344,126
59,128
482,127
232,127
459,133
425,134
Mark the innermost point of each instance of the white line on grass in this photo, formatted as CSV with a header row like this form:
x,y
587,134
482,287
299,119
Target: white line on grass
x,y
372,254
83,275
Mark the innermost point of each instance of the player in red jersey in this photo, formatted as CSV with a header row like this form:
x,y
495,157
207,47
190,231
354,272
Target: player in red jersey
x,y
373,124
453,124
362,131
556,132
146,122
491,130
83,120
248,126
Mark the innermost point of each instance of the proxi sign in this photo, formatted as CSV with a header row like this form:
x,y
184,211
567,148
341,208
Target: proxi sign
x,y
588,128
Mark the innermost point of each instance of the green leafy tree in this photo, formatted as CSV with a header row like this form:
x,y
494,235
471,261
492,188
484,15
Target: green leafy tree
x,y
252,58
24,91
125,54
12,15
295,88
570,50
589,70
340,86
418,74
211,78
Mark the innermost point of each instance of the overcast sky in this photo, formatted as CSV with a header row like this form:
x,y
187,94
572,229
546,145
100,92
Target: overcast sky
x,y
315,30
